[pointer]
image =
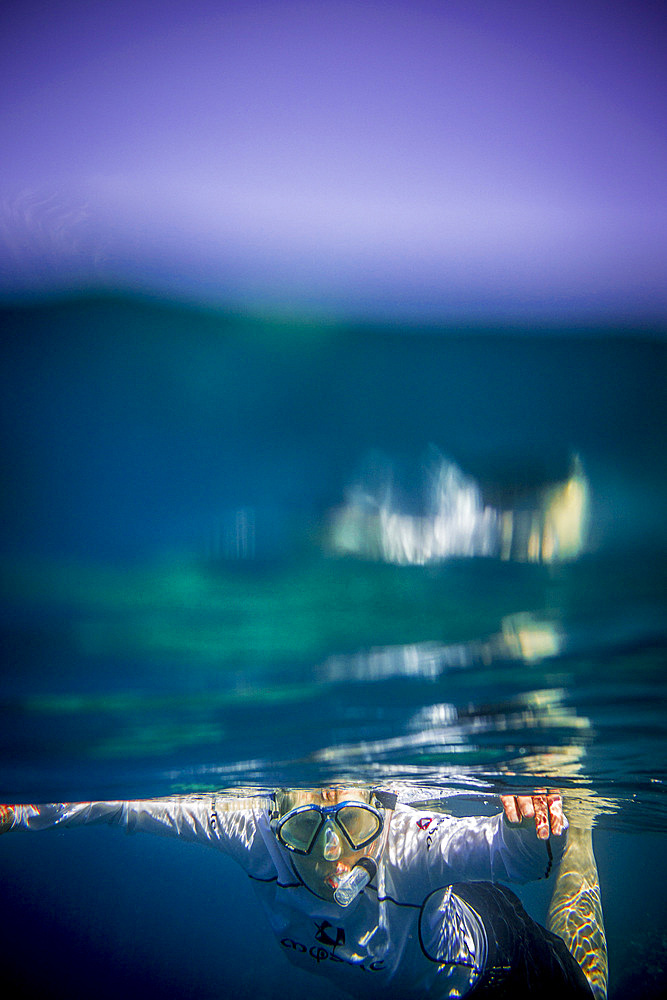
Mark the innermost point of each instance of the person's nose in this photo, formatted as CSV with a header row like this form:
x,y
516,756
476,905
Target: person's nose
x,y
331,847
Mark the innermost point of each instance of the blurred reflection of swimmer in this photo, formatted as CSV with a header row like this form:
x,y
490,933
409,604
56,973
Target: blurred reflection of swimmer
x,y
376,895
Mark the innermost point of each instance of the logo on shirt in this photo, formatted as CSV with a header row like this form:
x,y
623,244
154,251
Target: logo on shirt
x,y
431,824
320,954
324,937
431,834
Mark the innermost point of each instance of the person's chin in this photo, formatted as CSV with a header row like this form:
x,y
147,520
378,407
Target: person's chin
x,y
320,888
319,884
325,891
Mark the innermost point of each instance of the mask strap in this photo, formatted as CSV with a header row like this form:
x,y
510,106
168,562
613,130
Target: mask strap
x,y
387,800
233,803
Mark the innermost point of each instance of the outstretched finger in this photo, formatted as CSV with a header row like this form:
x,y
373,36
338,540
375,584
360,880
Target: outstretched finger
x,y
555,805
541,816
525,804
510,807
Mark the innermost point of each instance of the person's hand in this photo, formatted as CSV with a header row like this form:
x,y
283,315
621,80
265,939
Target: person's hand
x,y
545,807
6,818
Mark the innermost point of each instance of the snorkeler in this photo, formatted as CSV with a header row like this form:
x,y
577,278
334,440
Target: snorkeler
x,y
377,895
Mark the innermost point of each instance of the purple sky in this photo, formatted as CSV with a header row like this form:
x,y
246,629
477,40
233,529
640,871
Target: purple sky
x,y
410,159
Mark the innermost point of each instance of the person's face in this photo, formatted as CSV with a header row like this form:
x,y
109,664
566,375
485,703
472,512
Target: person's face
x,y
331,855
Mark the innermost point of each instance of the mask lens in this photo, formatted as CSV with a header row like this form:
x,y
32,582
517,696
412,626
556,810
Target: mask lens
x,y
361,825
299,830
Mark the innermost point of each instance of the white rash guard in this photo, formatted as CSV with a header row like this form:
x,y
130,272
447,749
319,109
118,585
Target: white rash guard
x,y
406,932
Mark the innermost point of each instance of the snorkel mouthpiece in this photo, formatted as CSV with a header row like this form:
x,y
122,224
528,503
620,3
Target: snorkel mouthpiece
x,y
355,881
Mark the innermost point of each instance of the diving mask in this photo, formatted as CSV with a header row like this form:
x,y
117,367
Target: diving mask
x,y
298,829
328,842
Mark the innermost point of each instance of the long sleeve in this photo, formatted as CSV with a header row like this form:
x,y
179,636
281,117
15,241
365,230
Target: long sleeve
x,y
201,819
472,848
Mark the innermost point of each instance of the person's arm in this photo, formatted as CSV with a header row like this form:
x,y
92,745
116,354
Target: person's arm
x,y
187,818
201,819
480,847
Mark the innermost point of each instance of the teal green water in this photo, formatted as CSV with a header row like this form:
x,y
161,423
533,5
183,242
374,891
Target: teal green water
x,y
226,563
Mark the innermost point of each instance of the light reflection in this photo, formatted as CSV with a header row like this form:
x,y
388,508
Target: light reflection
x,y
233,536
444,729
529,640
533,732
521,638
459,524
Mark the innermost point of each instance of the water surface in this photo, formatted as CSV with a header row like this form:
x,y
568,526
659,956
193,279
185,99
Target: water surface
x,y
241,553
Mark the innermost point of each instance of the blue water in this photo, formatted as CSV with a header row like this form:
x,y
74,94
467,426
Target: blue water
x,y
190,602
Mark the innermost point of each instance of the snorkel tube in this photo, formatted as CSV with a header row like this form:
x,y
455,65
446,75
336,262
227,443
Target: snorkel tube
x,y
364,871
355,881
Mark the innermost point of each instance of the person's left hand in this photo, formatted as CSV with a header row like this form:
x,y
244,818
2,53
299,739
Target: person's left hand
x,y
545,807
6,818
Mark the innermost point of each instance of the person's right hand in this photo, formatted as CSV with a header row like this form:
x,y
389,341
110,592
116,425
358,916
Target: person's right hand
x,y
6,818
545,808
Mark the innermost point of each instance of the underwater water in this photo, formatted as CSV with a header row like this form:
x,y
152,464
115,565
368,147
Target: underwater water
x,y
243,553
